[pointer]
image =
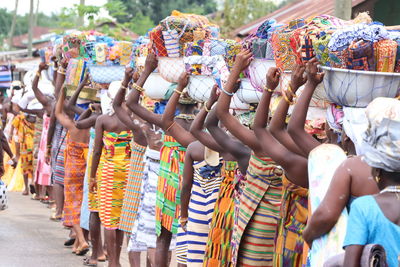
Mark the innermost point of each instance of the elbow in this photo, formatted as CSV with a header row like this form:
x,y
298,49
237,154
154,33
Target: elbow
x,y
324,219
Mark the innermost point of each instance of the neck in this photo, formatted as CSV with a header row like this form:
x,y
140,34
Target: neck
x,y
185,109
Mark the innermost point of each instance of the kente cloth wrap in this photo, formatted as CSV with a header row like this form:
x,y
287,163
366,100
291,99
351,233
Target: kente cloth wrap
x,y
75,167
254,233
361,56
85,211
133,190
24,136
92,197
206,183
321,49
43,170
381,140
284,57
144,229
342,38
172,157
58,154
385,55
292,221
218,251
112,179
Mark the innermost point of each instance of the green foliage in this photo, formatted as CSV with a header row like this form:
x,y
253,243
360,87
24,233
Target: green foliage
x,y
140,24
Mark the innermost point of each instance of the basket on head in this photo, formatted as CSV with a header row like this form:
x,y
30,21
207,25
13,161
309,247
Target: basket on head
x,y
354,88
199,87
171,68
156,87
257,72
106,74
87,93
247,93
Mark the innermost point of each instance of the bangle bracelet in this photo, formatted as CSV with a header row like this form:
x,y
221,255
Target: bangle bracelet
x,y
38,74
91,108
169,128
291,91
178,92
183,220
137,87
124,87
268,89
206,109
226,92
287,99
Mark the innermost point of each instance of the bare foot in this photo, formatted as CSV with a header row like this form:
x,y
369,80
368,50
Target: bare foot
x,y
25,193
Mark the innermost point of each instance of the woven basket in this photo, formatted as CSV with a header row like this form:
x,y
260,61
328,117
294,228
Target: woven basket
x,y
171,68
199,87
86,93
247,93
354,88
156,87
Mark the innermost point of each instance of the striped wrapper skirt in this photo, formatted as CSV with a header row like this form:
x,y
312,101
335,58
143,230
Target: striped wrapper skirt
x,y
57,154
218,251
254,231
133,190
289,241
75,167
190,246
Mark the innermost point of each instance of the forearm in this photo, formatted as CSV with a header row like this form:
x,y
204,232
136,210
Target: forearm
x,y
95,163
38,94
86,123
169,113
52,127
5,145
59,84
86,114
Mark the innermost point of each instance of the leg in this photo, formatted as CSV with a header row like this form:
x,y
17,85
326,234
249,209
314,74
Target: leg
x,y
82,244
26,183
151,257
95,236
163,242
111,239
134,259
59,198
120,240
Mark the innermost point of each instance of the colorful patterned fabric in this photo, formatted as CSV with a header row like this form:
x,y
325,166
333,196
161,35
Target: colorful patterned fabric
x,y
85,211
144,230
36,143
112,179
361,56
218,251
258,214
59,142
133,193
168,191
43,170
385,55
206,184
75,167
292,221
24,136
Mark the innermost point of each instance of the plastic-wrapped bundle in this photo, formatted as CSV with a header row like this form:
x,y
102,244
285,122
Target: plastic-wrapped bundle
x,y
171,68
199,87
385,54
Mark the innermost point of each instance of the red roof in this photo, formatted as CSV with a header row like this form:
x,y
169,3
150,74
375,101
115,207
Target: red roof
x,y
21,41
298,9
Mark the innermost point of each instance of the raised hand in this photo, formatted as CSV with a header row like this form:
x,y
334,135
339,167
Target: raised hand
x,y
214,94
298,78
243,60
183,81
273,77
313,75
151,63
128,76
43,66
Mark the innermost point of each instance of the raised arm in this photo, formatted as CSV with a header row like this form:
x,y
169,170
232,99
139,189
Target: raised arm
x,y
236,148
97,150
88,118
187,183
245,135
134,96
6,147
172,128
197,127
54,59
294,165
60,77
277,126
71,104
42,98
60,115
298,119
50,134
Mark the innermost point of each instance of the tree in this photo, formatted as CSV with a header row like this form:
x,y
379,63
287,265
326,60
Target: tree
x,y
140,24
12,29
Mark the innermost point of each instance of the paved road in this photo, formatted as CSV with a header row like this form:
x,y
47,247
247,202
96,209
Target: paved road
x,y
29,239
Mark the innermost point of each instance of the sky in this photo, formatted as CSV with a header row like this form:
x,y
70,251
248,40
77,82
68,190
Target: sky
x,y
46,6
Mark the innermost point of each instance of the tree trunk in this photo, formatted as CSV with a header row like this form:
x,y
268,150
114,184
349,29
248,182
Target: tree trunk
x,y
36,13
343,9
30,33
81,19
12,29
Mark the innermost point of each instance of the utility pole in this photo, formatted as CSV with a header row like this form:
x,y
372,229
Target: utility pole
x,y
30,33
343,9
36,13
12,29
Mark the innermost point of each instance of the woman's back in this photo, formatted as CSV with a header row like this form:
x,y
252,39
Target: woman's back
x,y
368,224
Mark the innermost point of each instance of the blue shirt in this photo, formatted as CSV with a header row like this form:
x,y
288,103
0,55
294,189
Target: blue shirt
x,y
368,225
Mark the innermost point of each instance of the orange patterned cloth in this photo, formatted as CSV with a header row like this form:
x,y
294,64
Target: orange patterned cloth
x,y
75,166
25,131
